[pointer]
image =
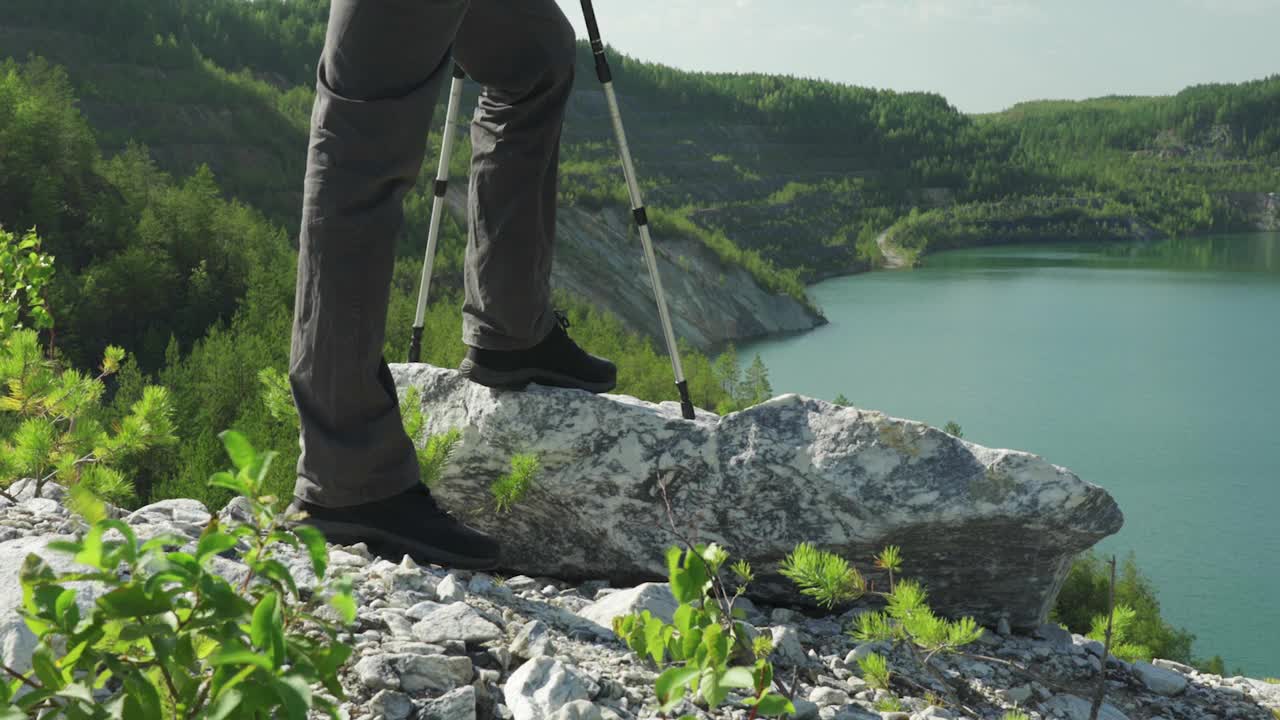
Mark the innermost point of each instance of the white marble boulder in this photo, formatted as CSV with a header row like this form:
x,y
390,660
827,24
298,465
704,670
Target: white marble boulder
x,y
990,533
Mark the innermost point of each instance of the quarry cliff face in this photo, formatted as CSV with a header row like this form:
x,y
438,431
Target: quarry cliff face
x,y
598,257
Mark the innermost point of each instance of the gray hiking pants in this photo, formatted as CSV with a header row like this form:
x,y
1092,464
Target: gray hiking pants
x,y
379,79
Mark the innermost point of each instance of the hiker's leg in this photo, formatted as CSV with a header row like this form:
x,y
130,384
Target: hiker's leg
x,y
522,52
379,78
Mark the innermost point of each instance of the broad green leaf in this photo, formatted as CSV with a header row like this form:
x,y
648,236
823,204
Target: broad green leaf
x,y
316,548
132,601
683,618
234,483
212,542
77,691
12,712
710,688
262,632
688,575
238,448
653,640
738,677
34,698
717,645
773,705
346,607
84,503
222,706
142,698
275,570
65,609
295,695
65,546
240,657
671,685
690,642
46,668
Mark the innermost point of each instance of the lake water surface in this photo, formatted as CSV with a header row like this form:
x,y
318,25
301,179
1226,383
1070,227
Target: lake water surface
x,y
1151,370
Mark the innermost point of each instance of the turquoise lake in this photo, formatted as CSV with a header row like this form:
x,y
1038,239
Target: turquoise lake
x,y
1152,370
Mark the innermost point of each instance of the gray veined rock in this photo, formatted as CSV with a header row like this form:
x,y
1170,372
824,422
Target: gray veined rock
x,y
989,533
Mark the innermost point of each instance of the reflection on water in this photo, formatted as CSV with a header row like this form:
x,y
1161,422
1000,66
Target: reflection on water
x,y
1254,252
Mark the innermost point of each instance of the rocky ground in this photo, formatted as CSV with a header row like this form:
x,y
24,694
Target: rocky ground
x,y
445,645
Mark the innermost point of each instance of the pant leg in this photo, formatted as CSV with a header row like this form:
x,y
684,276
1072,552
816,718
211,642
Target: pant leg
x,y
522,52
379,78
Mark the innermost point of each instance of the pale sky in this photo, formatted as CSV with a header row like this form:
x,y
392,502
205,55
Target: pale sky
x,y
982,55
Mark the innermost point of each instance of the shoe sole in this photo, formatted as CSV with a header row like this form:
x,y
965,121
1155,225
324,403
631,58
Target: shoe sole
x,y
342,533
519,379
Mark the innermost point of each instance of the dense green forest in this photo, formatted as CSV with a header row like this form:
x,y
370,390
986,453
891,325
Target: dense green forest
x,y
157,147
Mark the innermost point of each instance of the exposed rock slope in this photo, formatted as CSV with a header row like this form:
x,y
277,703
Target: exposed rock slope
x,y
599,258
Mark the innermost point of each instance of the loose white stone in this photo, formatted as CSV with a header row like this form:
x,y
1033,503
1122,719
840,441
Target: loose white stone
x,y
457,704
1074,707
541,686
787,650
1159,680
533,640
579,710
805,710
654,597
458,621
450,590
823,696
17,643
391,705
1017,695
1173,665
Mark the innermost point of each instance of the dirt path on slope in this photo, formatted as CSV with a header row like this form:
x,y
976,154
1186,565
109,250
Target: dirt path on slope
x,y
893,258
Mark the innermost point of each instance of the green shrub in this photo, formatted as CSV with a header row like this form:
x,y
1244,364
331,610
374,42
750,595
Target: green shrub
x,y
169,637
1084,596
24,274
52,423
697,651
906,620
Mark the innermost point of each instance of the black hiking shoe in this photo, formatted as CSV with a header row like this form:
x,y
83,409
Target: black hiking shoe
x,y
556,361
406,524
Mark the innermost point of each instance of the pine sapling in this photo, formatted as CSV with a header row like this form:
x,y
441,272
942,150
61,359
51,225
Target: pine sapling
x,y
512,487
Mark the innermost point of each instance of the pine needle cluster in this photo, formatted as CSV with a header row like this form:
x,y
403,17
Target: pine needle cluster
x,y
826,577
908,617
512,487
1122,625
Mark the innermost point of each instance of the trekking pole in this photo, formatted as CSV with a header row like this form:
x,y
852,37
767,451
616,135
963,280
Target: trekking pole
x,y
437,209
637,205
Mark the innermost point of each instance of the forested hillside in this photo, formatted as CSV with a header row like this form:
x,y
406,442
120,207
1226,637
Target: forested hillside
x,y
791,178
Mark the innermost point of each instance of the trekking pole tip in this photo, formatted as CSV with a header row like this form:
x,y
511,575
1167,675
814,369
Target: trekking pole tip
x,y
686,405
415,346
